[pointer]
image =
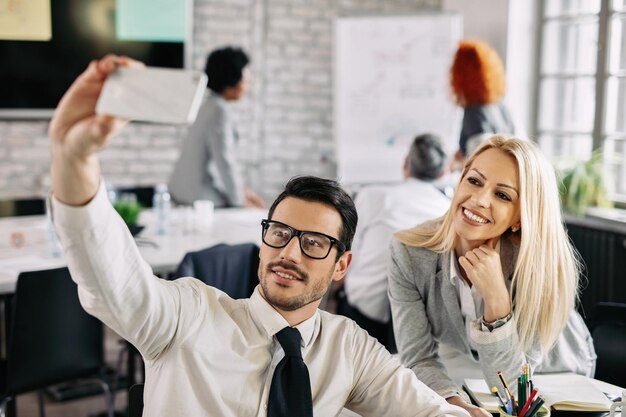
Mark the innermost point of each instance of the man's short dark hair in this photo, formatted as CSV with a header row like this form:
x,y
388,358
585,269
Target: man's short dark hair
x,y
426,157
327,192
224,67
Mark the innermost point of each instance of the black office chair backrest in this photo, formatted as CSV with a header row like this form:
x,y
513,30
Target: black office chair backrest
x,y
230,268
51,338
22,207
144,194
607,324
135,400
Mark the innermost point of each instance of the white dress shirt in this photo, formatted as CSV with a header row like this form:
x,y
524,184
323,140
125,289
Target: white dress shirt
x,y
383,211
209,355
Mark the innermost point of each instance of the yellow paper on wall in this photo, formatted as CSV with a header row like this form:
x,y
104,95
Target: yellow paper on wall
x,y
25,20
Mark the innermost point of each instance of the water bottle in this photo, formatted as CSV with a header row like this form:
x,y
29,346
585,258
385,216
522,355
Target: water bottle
x,y
162,204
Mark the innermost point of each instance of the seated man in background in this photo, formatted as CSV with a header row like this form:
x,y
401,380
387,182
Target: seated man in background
x,y
384,210
207,168
206,354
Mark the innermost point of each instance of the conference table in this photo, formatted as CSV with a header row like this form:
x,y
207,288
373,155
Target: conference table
x,y
28,243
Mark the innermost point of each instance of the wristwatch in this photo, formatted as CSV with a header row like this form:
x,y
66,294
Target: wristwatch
x,y
490,326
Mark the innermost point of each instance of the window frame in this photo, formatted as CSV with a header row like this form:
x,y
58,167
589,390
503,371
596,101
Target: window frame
x,y
599,134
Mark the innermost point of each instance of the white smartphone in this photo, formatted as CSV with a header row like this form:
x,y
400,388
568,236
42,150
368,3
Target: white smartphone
x,y
150,94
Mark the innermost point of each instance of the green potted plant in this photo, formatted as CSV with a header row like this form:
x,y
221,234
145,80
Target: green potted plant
x,y
584,186
129,210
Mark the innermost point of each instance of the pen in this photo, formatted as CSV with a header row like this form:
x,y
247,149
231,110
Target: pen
x,y
535,407
528,403
506,386
509,407
508,390
521,389
495,392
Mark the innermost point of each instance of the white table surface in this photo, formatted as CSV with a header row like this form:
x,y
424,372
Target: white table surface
x,y
26,245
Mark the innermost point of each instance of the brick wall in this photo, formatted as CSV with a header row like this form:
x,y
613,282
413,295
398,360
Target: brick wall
x,y
285,122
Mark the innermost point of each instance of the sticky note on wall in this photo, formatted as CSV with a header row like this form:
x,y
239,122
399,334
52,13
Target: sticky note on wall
x,y
25,20
151,20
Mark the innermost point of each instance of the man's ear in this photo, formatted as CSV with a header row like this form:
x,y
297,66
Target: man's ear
x,y
341,266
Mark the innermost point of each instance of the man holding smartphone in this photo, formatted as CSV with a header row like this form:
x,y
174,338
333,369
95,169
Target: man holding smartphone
x,y
207,168
274,354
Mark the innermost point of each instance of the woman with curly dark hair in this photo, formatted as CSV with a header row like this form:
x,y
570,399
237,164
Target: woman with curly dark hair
x,y
478,85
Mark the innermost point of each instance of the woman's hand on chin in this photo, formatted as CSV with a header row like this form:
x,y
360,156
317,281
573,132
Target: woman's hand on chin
x,y
484,270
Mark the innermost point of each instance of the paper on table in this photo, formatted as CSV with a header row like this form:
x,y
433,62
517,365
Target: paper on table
x,y
565,391
571,392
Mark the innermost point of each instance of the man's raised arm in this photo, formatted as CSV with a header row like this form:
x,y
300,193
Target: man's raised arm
x,y
78,134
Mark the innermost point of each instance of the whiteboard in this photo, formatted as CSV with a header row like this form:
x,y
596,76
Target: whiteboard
x,y
391,84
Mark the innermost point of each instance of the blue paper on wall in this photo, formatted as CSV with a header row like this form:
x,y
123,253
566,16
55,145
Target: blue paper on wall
x,y
151,20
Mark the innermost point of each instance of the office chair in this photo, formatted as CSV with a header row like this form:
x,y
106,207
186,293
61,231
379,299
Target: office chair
x,y
135,400
230,268
607,324
51,339
22,207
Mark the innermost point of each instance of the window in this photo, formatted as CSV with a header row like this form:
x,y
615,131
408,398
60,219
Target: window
x,y
582,86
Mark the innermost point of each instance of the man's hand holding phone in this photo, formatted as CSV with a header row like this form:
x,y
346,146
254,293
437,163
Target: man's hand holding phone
x,y
78,133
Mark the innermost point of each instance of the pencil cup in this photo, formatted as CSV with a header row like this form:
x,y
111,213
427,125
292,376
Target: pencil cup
x,y
543,412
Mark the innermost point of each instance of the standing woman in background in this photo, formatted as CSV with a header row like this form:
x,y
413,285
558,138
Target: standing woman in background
x,y
478,86
208,168
494,280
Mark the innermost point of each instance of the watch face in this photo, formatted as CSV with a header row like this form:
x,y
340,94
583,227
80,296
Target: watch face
x,y
498,323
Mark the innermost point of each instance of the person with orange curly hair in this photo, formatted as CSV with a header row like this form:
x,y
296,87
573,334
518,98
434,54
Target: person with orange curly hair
x,y
478,85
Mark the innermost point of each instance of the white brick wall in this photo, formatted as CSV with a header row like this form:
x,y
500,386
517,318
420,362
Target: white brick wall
x,y
285,122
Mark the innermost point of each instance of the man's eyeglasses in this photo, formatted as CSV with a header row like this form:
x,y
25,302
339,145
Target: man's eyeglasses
x,y
313,244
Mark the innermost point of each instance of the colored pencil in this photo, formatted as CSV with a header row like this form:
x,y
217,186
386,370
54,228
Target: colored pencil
x,y
528,403
535,407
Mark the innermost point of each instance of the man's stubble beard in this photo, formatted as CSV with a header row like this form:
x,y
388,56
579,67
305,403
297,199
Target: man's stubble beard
x,y
310,294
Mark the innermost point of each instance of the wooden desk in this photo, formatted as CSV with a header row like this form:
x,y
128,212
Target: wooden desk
x,y
25,244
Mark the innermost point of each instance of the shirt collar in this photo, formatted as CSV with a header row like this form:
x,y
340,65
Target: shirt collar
x,y
454,267
272,322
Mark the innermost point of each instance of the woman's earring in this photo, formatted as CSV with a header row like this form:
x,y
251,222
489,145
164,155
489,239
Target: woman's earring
x,y
514,229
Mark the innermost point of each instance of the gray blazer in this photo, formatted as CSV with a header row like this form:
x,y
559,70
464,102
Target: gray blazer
x,y
426,310
207,168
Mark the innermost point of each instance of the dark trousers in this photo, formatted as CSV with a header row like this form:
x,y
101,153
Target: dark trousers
x,y
381,331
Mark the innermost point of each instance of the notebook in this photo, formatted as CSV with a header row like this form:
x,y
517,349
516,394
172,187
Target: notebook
x,y
480,394
562,392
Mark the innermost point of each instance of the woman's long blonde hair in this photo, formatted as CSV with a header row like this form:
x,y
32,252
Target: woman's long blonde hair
x,y
544,289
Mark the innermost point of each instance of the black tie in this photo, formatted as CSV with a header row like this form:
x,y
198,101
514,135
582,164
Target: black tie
x,y
290,393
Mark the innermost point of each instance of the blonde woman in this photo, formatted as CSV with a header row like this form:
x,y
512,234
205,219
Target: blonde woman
x,y
495,279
